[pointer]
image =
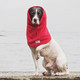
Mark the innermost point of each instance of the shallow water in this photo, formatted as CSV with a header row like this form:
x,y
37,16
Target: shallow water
x,y
15,54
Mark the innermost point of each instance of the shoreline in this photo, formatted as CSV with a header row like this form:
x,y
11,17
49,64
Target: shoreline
x,y
19,75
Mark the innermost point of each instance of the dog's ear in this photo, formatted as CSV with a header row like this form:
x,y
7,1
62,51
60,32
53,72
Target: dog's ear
x,y
40,13
31,12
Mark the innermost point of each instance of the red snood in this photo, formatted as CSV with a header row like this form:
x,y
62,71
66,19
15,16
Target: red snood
x,y
37,35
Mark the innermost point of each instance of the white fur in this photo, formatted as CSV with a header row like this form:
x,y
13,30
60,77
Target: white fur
x,y
35,17
50,51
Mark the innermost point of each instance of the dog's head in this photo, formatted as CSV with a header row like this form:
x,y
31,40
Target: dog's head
x,y
35,15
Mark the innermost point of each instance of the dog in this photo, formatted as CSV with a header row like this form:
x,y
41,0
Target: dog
x,y
42,44
36,14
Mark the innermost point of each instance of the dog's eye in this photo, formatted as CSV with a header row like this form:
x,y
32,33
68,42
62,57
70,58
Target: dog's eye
x,y
33,13
38,13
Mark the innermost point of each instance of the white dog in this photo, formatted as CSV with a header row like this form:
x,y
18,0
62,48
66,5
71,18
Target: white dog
x,y
54,58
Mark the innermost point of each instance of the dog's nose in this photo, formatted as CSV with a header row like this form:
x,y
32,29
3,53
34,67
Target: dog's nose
x,y
35,20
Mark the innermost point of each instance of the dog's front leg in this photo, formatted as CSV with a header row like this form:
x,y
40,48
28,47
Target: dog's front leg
x,y
34,55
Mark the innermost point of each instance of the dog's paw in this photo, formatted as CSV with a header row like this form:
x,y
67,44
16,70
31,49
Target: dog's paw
x,y
46,74
36,74
58,74
61,73
38,56
38,49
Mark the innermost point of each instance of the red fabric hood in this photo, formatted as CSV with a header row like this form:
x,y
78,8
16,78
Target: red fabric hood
x,y
37,35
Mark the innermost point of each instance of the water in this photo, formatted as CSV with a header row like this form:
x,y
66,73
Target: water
x,y
15,54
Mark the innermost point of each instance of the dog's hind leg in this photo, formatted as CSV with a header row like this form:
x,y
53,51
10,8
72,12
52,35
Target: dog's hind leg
x,y
62,69
62,72
48,73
